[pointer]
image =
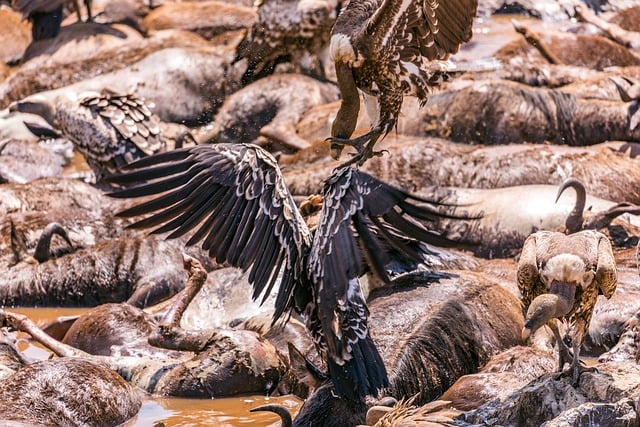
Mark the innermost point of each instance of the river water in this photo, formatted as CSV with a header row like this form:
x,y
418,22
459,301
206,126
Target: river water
x,y
227,412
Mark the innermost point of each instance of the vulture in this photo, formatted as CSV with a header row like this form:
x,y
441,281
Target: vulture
x,y
108,129
295,31
233,199
560,277
46,15
388,49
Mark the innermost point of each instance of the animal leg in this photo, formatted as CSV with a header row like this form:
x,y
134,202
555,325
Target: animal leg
x,y
364,144
577,368
564,356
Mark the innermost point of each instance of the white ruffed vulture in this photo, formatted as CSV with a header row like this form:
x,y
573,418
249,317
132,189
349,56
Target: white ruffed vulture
x,y
560,277
108,129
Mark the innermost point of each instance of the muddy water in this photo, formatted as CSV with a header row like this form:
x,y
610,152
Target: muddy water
x,y
174,412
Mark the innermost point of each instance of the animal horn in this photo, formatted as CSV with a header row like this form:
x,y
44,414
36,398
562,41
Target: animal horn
x,y
575,220
42,252
629,94
603,219
285,416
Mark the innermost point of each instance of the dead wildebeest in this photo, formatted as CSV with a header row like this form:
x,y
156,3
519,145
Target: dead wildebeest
x,y
61,391
140,270
41,75
505,373
501,231
611,29
431,329
186,85
566,49
449,164
67,391
501,112
81,209
269,119
162,358
207,19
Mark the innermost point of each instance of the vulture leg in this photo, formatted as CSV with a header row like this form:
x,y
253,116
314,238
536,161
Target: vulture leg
x,y
363,145
564,356
577,368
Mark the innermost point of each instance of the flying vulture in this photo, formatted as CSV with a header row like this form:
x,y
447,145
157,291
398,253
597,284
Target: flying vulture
x,y
388,49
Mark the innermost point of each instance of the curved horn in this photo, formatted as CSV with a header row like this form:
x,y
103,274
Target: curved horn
x,y
603,219
285,416
627,94
575,220
42,253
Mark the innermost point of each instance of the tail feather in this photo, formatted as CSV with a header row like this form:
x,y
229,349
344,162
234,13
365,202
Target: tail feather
x,y
364,374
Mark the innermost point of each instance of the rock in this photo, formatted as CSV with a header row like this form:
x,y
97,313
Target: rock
x,y
603,398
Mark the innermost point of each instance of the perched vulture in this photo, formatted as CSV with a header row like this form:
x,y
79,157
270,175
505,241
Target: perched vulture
x,y
109,130
234,199
560,276
388,49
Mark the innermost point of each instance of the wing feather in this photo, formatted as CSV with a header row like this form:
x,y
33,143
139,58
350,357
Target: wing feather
x,y
130,117
361,222
234,200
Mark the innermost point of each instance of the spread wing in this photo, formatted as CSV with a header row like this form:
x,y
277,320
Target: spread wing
x,y
416,29
234,197
361,220
131,118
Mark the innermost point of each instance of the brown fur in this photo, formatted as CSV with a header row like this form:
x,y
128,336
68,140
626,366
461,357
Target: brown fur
x,y
504,374
13,28
39,75
572,49
205,18
67,392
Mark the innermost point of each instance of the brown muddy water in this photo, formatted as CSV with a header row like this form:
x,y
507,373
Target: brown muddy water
x,y
173,412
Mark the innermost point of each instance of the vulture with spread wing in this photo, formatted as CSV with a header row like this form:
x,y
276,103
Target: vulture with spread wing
x,y
233,199
560,277
388,49
109,130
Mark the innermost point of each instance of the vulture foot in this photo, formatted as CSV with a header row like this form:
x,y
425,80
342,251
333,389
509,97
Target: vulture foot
x,y
363,145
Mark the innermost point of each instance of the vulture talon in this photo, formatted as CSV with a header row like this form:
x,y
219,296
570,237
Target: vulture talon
x,y
373,58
